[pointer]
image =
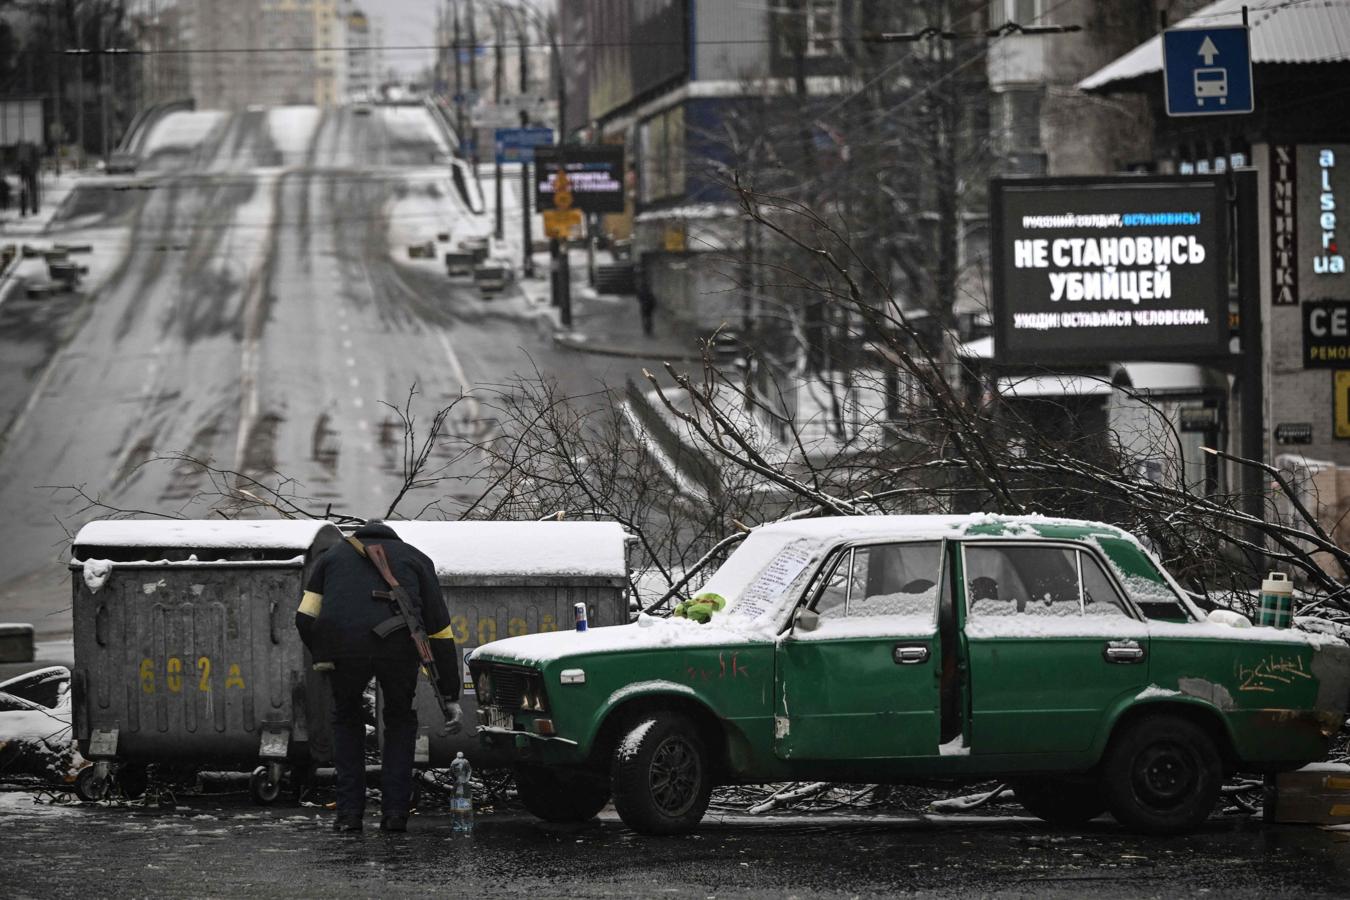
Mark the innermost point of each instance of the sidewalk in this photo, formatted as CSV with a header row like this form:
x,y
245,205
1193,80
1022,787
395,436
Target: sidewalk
x,y
610,324
55,190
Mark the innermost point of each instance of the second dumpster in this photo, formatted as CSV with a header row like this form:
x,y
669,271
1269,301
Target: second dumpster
x,y
509,578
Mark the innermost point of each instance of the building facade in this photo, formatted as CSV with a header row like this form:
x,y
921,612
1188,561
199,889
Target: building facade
x,y
267,52
1301,155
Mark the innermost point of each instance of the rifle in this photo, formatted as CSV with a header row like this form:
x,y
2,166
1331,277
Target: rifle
x,y
406,617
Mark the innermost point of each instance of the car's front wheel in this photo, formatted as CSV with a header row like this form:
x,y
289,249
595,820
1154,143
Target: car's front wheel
x,y
1162,775
1060,801
561,797
660,775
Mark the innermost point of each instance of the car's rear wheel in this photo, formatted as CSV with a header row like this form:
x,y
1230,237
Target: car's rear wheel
x,y
1060,801
561,796
1162,775
660,775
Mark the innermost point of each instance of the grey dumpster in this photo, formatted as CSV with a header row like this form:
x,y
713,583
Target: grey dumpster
x,y
509,578
185,647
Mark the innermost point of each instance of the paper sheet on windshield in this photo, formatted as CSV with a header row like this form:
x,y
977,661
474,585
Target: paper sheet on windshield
x,y
767,589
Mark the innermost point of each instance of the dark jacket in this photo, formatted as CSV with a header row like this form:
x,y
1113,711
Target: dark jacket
x,y
342,588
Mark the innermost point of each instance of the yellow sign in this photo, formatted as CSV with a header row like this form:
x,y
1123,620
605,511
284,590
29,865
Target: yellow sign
x,y
673,239
558,223
1340,390
562,191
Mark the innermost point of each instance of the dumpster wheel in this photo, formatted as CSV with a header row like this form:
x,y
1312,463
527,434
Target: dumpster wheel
x,y
264,785
91,785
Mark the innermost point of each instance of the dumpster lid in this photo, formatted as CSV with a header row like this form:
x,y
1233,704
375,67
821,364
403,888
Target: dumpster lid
x,y
534,549
206,534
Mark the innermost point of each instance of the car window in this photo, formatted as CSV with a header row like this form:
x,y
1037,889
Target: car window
x,y
1100,597
43,688
1022,581
1144,583
1039,581
883,580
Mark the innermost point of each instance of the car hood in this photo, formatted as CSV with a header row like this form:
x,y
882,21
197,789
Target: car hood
x,y
648,633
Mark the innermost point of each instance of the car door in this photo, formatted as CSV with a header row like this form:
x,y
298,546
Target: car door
x,y
862,684
1052,644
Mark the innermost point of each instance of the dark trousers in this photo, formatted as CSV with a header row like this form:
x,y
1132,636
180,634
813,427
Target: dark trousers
x,y
398,683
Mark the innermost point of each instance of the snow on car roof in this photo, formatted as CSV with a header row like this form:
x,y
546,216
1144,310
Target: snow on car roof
x,y
935,527
281,534
594,549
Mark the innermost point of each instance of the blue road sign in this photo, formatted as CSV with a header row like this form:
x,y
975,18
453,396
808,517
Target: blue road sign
x,y
1208,71
517,144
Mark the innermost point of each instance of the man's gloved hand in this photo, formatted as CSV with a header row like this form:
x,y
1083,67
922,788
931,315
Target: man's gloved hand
x,y
453,718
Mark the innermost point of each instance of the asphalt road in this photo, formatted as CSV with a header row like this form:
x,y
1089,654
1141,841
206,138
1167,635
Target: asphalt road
x,y
260,318
220,847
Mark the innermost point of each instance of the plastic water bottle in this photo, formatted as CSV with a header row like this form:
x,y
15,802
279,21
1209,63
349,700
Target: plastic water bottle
x,y
461,805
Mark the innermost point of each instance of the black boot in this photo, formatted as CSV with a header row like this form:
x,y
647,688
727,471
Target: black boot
x,y
347,823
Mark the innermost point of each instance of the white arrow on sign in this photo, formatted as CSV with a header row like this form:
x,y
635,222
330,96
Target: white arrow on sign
x,y
1208,51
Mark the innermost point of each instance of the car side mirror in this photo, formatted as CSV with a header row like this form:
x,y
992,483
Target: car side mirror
x,y
807,619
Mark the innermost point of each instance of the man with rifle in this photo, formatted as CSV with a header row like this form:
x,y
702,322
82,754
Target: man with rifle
x,y
373,609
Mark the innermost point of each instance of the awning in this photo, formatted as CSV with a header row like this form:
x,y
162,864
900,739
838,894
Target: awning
x,y
1170,378
1030,387
980,348
1281,32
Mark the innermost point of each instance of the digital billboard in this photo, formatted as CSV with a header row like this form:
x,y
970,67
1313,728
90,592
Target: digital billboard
x,y
1090,270
595,173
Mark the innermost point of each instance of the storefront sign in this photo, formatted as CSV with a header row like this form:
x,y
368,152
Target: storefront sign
x,y
1294,433
1340,404
1283,226
1087,270
595,174
1326,334
1198,418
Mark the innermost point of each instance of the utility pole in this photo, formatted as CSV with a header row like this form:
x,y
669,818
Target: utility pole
x,y
103,89
499,61
527,250
79,88
562,273
459,79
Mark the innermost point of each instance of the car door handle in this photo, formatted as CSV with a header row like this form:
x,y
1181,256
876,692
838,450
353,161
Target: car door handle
x,y
1123,652
910,655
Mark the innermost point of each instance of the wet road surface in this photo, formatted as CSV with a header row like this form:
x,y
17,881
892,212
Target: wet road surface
x,y
260,315
222,847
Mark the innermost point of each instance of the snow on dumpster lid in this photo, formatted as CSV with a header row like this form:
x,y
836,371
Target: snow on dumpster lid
x,y
242,534
534,549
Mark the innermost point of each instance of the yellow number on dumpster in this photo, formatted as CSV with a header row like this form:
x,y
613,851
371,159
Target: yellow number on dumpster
x,y
516,627
148,676
175,679
490,626
204,667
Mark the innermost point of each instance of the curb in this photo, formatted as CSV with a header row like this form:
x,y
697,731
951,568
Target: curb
x,y
566,340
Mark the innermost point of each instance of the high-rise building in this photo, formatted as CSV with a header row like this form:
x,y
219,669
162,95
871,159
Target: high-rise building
x,y
224,38
363,55
270,52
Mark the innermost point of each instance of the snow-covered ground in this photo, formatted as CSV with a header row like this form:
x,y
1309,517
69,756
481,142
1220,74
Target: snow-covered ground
x,y
182,131
292,130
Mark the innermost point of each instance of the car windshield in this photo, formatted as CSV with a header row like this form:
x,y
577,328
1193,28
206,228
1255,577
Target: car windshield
x,y
756,578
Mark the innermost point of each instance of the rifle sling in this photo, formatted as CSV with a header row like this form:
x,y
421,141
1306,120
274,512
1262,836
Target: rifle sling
x,y
375,553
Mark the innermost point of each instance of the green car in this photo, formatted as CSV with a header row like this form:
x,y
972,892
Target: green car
x,y
1056,655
